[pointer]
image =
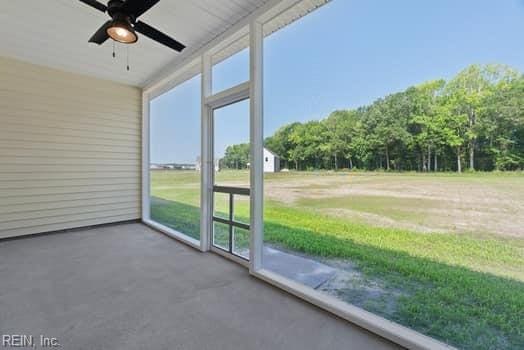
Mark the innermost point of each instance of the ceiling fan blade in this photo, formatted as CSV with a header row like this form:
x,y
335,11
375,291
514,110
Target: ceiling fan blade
x,y
100,35
97,5
138,7
158,36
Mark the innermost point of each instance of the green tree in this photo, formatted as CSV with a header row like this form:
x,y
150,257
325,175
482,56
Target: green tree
x,y
280,142
339,132
386,121
470,89
505,124
236,156
425,100
453,127
430,126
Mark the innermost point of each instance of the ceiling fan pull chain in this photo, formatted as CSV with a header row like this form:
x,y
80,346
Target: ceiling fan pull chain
x,y
114,49
127,57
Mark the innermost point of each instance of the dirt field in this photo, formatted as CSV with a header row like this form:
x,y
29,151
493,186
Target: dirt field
x,y
486,204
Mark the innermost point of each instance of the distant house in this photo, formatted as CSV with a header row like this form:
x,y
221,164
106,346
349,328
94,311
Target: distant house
x,y
188,166
155,166
271,162
198,164
173,166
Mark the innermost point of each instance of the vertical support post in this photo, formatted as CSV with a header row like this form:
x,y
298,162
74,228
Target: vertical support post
x,y
231,217
206,158
256,39
146,215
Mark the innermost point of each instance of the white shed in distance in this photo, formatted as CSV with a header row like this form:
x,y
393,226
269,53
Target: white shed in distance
x,y
271,162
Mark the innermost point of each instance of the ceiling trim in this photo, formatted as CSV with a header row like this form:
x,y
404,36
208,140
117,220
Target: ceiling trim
x,y
263,14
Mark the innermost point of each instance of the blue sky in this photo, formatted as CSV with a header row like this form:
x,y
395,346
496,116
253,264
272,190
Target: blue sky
x,y
344,55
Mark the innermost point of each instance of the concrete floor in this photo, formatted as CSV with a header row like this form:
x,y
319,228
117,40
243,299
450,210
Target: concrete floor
x,y
129,287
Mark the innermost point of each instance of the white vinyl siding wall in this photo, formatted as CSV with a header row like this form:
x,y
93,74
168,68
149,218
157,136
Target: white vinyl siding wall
x,y
69,150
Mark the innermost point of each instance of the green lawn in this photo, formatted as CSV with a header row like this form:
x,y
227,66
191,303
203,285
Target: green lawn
x,y
464,288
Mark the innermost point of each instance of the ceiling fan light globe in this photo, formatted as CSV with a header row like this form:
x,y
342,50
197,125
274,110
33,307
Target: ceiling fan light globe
x,y
122,31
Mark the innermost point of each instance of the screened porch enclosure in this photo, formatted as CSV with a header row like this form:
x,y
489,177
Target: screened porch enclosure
x,y
225,190
298,176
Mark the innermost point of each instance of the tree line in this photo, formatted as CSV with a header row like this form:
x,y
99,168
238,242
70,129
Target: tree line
x,y
475,121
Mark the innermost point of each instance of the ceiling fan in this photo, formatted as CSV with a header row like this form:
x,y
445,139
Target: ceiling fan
x,y
123,25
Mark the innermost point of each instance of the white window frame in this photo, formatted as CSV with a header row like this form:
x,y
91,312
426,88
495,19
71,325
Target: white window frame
x,y
188,72
253,89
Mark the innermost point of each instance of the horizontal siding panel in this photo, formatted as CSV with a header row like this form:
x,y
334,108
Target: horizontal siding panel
x,y
70,124
21,184
51,132
50,213
69,88
27,208
70,150
6,152
68,97
13,218
31,222
13,99
70,175
65,197
56,146
105,157
91,113
86,113
21,135
29,168
74,93
80,119
20,70
71,189
69,161
21,231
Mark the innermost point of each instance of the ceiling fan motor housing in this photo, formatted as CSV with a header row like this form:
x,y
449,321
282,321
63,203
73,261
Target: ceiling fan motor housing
x,y
115,10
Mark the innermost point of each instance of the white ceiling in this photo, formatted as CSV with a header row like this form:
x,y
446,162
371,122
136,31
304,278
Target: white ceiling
x,y
55,33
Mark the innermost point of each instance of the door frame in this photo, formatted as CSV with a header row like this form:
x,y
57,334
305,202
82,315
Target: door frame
x,y
211,102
